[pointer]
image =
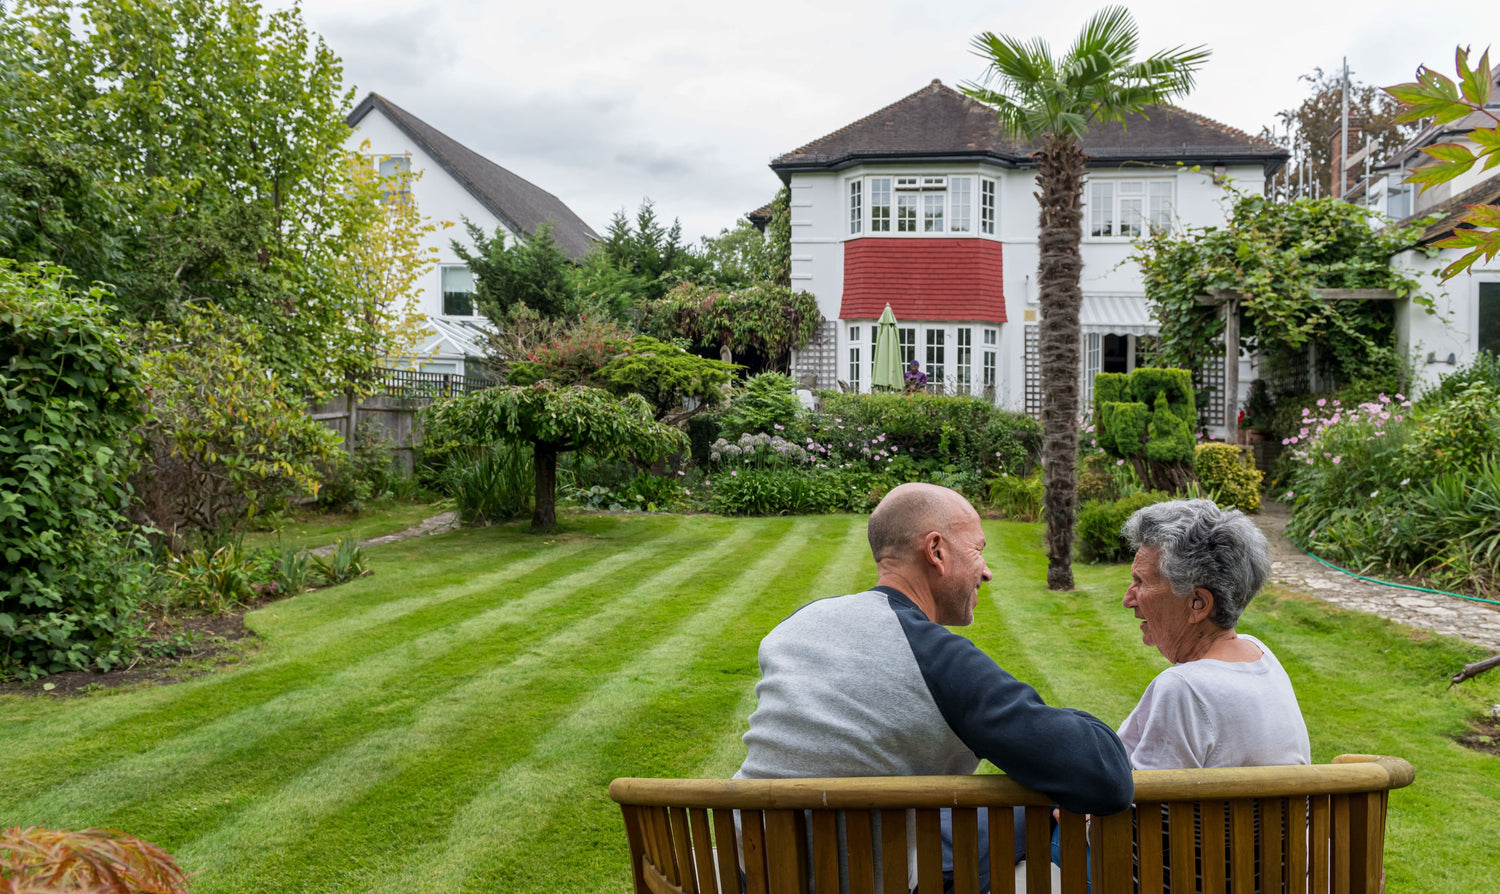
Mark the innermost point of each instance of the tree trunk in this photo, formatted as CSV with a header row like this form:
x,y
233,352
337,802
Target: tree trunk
x,y
1060,170
544,460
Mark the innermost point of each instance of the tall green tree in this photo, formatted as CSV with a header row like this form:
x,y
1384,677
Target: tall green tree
x,y
187,152
1053,99
507,273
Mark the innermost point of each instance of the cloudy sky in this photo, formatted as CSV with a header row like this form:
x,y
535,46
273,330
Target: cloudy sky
x,y
605,103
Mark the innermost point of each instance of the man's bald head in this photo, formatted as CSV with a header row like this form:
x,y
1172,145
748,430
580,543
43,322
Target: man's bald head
x,y
907,514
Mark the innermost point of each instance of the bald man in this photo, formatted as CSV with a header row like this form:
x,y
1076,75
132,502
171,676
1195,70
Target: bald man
x,y
874,684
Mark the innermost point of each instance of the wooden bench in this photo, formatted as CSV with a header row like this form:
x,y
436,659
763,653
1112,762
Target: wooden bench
x,y
1318,828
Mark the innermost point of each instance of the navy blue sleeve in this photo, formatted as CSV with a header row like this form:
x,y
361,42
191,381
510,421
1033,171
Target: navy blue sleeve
x,y
1070,755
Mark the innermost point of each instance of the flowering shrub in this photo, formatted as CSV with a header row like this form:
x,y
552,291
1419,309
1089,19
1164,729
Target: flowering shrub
x,y
572,356
1229,474
1343,458
759,451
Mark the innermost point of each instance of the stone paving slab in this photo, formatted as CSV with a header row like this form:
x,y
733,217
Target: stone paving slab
x,y
441,523
1476,622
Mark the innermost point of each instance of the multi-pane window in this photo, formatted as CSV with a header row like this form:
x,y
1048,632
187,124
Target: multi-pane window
x,y
880,205
932,212
987,207
988,355
906,212
927,205
1129,207
458,291
1488,336
907,339
960,197
854,357
963,359
936,367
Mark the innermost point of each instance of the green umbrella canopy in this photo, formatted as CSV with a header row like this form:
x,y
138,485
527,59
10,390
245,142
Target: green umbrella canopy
x,y
887,373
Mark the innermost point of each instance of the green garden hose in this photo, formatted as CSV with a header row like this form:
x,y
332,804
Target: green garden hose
x,y
1375,580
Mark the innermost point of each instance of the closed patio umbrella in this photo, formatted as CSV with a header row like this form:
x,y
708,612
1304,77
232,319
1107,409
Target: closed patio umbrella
x,y
886,373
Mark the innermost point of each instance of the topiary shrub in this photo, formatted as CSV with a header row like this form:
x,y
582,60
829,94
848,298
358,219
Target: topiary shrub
x,y
1099,525
1149,425
1229,475
71,395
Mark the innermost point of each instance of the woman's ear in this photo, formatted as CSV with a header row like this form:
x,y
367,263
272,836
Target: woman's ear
x,y
1201,604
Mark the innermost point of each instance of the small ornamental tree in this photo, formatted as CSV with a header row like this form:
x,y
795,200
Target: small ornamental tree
x,y
600,356
1146,418
71,395
555,420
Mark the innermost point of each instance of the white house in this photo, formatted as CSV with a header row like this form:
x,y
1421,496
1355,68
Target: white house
x,y
1467,317
457,183
925,206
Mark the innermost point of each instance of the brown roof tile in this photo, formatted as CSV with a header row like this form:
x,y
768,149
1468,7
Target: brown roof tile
x,y
938,121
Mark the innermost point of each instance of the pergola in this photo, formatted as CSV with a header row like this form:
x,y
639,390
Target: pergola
x,y
1228,303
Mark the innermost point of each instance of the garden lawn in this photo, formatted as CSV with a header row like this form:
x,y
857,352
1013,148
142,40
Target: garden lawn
x,y
312,531
451,723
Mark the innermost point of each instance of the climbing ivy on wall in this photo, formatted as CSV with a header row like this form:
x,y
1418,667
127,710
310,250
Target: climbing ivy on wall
x,y
1276,255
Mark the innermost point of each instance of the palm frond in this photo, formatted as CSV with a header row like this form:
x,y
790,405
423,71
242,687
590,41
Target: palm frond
x,y
1110,31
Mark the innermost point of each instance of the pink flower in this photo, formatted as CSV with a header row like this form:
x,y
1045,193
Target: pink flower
x,y
1306,411
1119,462
733,473
680,473
1400,397
1322,402
1384,399
1337,460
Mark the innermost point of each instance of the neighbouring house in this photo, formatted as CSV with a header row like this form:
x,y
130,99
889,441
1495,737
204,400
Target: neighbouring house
x,y
1467,307
925,206
456,183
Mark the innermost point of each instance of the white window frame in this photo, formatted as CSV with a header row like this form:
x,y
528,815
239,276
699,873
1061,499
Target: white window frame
x,y
935,343
963,360
443,290
1125,208
921,205
854,365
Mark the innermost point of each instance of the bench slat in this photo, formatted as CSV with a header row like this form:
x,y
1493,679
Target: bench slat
x,y
1215,836
1271,832
930,852
1339,826
894,878
1242,846
1038,850
861,852
1149,847
753,841
1321,814
1003,851
703,851
786,853
825,832
1072,836
682,849
965,850
727,852
1296,846
1183,841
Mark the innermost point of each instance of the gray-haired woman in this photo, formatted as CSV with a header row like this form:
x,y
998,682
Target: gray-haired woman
x,y
1225,701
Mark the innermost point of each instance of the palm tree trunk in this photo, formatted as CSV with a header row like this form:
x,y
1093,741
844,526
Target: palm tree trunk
x,y
1060,169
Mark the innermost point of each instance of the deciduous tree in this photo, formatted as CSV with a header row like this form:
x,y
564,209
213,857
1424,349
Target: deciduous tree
x,y
555,420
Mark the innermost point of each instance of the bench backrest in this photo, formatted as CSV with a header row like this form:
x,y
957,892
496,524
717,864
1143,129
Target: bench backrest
x,y
1317,829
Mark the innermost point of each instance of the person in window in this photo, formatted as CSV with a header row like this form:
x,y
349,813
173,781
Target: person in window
x,y
916,380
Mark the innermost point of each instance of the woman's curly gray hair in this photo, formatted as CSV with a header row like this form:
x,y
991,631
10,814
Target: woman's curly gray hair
x,y
1200,545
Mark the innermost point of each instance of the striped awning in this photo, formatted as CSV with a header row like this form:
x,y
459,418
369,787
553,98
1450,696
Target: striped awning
x,y
1116,315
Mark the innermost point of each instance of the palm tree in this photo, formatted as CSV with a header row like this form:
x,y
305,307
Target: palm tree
x,y
1054,101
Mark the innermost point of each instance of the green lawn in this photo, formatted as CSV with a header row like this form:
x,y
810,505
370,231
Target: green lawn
x,y
311,531
451,723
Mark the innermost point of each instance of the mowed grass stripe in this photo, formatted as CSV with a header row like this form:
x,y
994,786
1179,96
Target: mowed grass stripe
x,y
162,712
849,570
419,757
519,799
193,754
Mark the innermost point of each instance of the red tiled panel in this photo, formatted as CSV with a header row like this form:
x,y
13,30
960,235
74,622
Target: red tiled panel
x,y
923,279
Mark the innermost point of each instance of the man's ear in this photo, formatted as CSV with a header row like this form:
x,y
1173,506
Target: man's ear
x,y
932,548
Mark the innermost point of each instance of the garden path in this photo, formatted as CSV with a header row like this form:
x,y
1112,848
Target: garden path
x,y
1476,622
441,523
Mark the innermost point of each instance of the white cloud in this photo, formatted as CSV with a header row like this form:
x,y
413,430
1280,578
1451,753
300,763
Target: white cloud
x,y
687,102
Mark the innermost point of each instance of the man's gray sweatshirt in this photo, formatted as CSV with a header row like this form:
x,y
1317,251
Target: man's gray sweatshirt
x,y
866,685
